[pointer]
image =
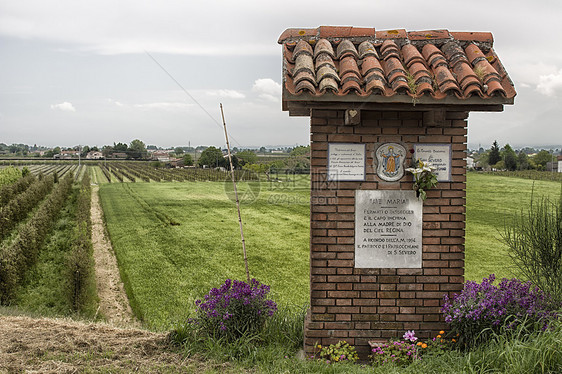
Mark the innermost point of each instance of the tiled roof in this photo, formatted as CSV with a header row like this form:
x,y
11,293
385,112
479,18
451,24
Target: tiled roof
x,y
427,66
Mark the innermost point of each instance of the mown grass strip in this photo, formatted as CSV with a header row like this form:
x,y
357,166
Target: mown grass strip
x,y
491,202
167,267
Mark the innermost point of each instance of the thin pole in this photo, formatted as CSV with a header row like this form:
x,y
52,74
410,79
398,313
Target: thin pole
x,y
236,196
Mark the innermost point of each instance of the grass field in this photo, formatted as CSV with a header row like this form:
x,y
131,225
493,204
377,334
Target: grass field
x,y
174,241
491,202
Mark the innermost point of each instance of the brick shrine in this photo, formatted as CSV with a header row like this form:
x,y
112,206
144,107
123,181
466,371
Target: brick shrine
x,y
370,88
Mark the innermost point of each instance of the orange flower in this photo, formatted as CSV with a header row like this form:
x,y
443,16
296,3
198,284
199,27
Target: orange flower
x,y
454,340
441,332
438,336
419,343
424,345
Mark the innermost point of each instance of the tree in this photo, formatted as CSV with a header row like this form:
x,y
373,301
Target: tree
x,y
510,158
258,168
51,152
212,157
120,147
188,160
247,157
494,157
106,150
523,160
301,151
137,149
178,151
542,158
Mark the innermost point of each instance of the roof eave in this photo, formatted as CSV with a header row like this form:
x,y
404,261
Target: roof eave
x,y
300,105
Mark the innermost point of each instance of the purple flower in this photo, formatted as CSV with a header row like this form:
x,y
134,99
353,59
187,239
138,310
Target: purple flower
x,y
410,335
484,305
235,308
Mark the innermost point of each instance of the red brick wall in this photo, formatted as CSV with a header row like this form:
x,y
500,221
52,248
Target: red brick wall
x,y
358,305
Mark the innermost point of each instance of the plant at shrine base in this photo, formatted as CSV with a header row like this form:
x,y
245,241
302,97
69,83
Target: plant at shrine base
x,y
424,178
483,310
397,352
339,352
233,310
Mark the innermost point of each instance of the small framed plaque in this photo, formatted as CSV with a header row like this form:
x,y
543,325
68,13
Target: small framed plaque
x,y
346,162
439,156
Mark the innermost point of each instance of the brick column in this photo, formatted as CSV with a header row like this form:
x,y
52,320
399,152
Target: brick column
x,y
358,305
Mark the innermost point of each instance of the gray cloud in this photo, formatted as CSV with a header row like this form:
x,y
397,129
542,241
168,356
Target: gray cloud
x,y
227,51
551,84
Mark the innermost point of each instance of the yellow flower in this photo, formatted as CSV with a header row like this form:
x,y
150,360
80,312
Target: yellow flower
x,y
441,332
438,336
424,345
319,346
336,359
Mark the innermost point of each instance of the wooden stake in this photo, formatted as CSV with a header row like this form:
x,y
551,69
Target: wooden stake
x,y
236,196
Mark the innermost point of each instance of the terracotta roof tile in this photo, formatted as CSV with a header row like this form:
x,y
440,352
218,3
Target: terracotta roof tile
x,y
485,37
346,48
411,55
391,34
324,46
367,49
435,64
389,49
428,35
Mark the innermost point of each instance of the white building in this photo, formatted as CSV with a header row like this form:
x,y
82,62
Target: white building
x,y
94,155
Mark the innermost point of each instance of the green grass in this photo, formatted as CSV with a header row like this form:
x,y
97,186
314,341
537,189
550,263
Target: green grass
x,y
511,353
174,241
491,202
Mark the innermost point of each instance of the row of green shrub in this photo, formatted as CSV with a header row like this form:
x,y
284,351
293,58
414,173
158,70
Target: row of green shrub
x,y
80,260
17,257
9,175
10,190
18,208
531,174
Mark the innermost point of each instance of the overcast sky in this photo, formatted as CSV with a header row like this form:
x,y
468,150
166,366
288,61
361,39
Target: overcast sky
x,y
80,72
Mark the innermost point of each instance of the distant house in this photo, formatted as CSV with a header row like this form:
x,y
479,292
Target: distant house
x,y
176,162
559,164
119,155
69,154
94,155
162,156
469,163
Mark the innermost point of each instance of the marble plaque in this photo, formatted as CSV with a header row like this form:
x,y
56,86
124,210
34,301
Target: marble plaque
x,y
346,162
388,229
438,155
